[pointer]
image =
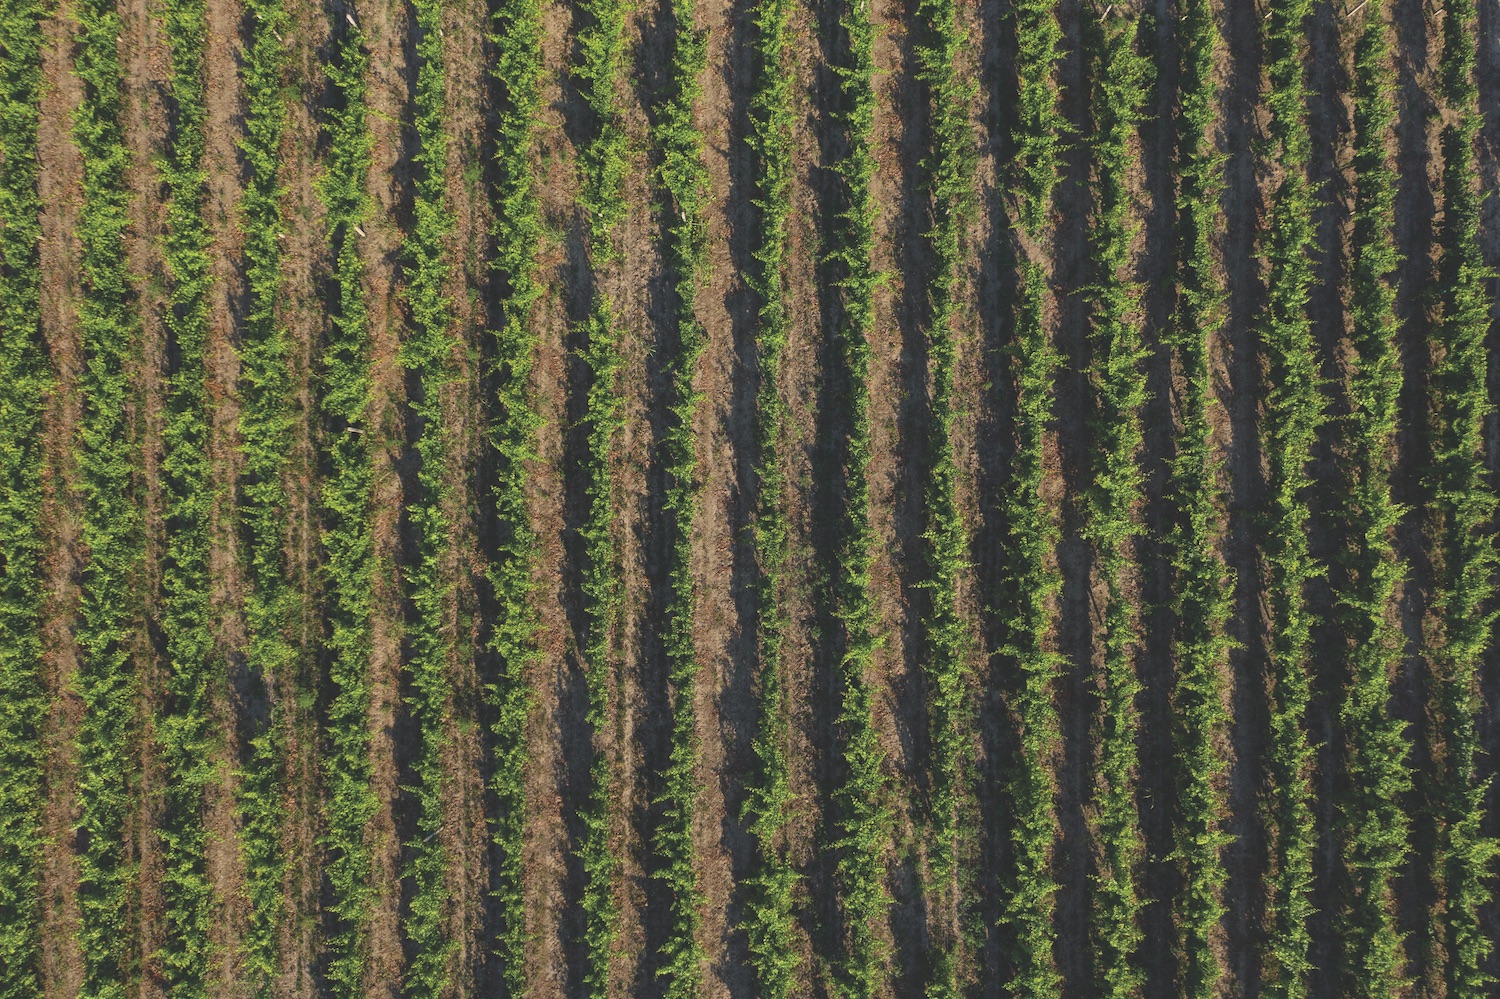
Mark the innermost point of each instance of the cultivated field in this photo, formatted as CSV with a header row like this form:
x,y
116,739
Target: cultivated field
x,y
749,498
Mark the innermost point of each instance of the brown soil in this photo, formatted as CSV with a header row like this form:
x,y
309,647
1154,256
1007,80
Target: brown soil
x,y
144,65
61,193
225,867
305,259
383,25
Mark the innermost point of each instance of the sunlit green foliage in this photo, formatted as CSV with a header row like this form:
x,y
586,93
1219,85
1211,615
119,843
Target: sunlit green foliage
x,y
685,181
1121,77
516,34
603,158
112,529
24,383
427,353
1294,410
862,823
949,177
1202,591
266,444
1374,823
1032,581
1465,507
183,728
770,924
348,541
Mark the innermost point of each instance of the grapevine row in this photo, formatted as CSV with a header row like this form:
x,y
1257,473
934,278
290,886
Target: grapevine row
x,y
348,539
24,384
1293,412
427,353
862,824
1121,79
266,442
770,923
1202,605
685,180
1374,822
184,728
950,182
604,162
517,36
112,529
1465,503
1032,581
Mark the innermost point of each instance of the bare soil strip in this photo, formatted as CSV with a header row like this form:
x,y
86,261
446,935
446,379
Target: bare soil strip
x,y
384,24
60,191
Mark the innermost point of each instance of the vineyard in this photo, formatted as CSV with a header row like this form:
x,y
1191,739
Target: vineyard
x,y
776,499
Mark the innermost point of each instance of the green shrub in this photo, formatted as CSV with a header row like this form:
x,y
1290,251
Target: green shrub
x,y
1373,823
604,598
1121,82
1294,411
112,528
266,442
949,176
601,41
769,922
183,728
350,565
1201,589
427,353
516,35
1032,582
25,380
1465,506
862,824
685,182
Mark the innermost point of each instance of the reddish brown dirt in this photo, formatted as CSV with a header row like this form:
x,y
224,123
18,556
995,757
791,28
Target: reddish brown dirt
x,y
900,422
305,261
144,67
722,634
641,713
61,192
224,865
384,26
466,833
556,737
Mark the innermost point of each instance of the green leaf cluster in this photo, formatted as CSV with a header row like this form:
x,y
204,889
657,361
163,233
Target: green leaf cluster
x,y
1294,411
1373,821
684,179
25,381
427,354
1202,594
770,921
350,560
602,47
1039,124
184,725
949,176
1033,584
1465,506
604,598
862,824
266,425
112,530
516,36
1032,581
1121,78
